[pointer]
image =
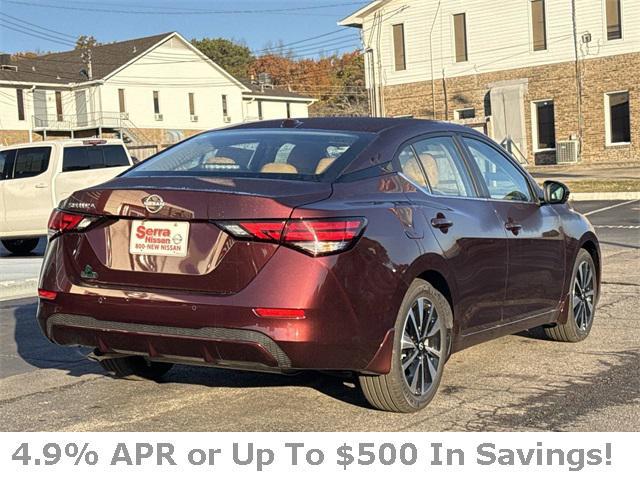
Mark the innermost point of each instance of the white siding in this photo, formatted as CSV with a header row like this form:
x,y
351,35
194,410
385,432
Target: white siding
x,y
9,110
499,36
174,70
274,109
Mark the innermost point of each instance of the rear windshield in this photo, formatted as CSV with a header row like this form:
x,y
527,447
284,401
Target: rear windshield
x,y
299,154
95,156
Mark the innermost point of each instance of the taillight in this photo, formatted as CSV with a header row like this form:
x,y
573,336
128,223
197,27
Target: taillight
x,y
61,222
314,236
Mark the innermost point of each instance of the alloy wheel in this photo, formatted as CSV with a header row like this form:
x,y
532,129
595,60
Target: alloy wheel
x,y
583,296
422,346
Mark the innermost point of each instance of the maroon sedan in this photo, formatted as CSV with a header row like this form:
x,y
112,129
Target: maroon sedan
x,y
372,246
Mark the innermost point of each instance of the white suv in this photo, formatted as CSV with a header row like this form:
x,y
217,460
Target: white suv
x,y
35,177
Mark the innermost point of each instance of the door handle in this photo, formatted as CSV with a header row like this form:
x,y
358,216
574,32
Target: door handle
x,y
441,222
513,227
41,185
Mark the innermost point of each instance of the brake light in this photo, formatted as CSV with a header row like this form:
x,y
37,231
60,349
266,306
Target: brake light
x,y
293,313
313,236
61,222
47,294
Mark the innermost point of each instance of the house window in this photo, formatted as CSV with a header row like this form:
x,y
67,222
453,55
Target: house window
x,y
156,102
538,25
260,109
618,127
59,106
465,113
225,106
20,99
398,47
192,104
288,110
614,20
544,125
121,102
460,32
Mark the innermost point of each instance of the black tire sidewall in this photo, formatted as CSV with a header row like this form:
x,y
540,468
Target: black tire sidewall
x,y
572,326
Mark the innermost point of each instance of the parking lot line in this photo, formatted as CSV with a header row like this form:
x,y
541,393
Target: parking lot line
x,y
610,207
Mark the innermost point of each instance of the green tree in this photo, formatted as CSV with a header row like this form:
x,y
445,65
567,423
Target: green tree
x,y
234,57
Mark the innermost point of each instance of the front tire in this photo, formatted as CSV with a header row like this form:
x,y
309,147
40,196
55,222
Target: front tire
x,y
136,367
420,349
21,246
582,302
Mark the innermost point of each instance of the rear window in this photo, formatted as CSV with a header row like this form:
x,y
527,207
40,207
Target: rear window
x,y
91,157
31,162
268,153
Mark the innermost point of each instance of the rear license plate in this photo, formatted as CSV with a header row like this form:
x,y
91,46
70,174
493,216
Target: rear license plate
x,y
167,239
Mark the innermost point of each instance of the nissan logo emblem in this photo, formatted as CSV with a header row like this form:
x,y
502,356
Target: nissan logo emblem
x,y
153,203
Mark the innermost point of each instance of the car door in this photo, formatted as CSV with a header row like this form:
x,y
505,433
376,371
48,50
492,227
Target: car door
x,y
27,195
466,228
6,170
536,243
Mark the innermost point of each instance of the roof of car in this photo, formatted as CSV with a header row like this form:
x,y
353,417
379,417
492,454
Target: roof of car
x,y
65,142
356,124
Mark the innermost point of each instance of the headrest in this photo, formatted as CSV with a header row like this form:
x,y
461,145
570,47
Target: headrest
x,y
278,168
323,164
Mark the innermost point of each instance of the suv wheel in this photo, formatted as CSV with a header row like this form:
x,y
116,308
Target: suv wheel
x,y
582,302
421,346
137,367
21,246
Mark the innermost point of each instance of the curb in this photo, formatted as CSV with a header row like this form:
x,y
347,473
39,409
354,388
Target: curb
x,y
605,196
15,289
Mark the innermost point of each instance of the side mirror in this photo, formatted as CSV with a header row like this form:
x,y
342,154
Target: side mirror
x,y
555,192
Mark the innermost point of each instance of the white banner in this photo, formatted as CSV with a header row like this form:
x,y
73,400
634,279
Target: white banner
x,y
317,455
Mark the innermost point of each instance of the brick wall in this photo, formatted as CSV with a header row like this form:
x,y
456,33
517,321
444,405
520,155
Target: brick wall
x,y
555,82
9,137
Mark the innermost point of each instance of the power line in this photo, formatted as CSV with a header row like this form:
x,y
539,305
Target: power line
x,y
61,34
42,37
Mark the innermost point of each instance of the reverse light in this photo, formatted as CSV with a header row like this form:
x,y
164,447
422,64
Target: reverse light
x,y
47,294
313,236
61,222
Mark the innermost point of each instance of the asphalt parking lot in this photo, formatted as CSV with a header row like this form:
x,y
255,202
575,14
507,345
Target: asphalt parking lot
x,y
519,382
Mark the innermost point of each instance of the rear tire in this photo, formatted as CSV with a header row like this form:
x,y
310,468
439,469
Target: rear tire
x,y
21,246
136,367
420,350
581,303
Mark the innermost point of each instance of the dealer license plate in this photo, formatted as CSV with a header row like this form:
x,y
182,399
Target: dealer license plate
x,y
167,239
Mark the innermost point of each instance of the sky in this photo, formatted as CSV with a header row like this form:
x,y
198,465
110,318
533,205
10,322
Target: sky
x,y
51,25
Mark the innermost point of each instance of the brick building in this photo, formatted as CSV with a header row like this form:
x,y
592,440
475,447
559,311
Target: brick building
x,y
553,80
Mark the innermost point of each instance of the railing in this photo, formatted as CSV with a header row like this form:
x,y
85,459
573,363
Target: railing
x,y
510,146
79,121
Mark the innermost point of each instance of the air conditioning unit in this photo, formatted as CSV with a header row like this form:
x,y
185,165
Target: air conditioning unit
x,y
159,117
124,115
227,119
567,151
194,118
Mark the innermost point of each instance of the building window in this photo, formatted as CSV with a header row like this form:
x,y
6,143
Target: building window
x,y
464,114
460,32
192,104
121,102
20,99
618,127
59,106
225,106
398,47
156,102
544,135
260,109
614,20
288,110
538,25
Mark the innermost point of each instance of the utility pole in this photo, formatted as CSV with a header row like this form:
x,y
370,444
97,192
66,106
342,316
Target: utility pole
x,y
86,59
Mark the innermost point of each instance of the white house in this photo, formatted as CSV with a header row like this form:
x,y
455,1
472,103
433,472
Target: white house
x,y
538,73
151,91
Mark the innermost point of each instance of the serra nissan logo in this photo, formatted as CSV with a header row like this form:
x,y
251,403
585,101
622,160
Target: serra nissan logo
x,y
153,203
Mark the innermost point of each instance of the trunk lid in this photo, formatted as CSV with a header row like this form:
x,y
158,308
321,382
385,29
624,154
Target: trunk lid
x,y
213,262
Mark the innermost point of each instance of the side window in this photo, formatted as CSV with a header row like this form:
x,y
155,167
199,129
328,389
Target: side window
x,y
81,158
504,181
410,167
115,156
6,163
445,169
31,161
